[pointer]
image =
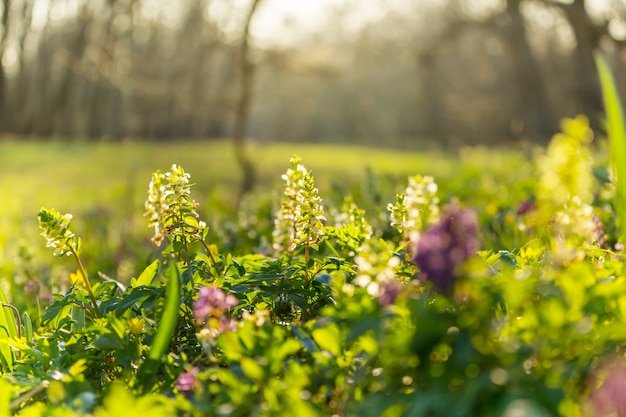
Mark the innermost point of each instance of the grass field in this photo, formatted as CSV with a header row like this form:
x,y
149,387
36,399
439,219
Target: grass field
x,y
53,173
104,186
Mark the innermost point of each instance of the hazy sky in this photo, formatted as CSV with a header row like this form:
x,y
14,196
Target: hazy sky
x,y
277,20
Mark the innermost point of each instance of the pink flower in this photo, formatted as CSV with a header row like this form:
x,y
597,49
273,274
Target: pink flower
x,y
390,291
212,301
187,382
608,389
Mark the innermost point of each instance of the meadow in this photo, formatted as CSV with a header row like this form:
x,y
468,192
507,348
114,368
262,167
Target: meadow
x,y
352,282
104,184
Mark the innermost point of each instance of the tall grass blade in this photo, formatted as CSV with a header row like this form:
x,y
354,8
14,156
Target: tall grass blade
x,y
8,329
28,327
617,137
167,326
9,314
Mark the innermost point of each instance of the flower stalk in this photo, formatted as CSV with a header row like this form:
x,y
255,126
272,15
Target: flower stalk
x,y
56,231
83,274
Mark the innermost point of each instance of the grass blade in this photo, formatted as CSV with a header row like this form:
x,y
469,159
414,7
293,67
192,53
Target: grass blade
x,y
8,329
9,314
617,136
164,332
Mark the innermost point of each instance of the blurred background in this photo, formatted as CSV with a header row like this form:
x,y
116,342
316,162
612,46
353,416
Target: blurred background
x,y
95,95
400,73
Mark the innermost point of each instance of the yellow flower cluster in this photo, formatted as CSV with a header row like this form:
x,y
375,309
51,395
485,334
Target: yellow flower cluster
x,y
169,207
299,219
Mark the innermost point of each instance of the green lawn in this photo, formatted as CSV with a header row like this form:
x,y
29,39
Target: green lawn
x,y
77,176
104,184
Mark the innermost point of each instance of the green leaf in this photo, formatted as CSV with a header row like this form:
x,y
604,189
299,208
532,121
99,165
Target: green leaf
x,y
7,328
241,270
9,314
58,310
287,348
27,323
165,331
135,295
328,338
6,356
78,367
5,397
147,276
305,339
108,342
25,349
252,369
617,136
78,315
120,402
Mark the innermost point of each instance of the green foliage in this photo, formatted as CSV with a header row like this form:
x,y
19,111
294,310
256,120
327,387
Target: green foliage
x,y
324,310
617,136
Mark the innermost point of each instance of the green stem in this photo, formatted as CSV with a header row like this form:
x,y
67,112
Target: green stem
x,y
210,253
307,278
81,268
28,395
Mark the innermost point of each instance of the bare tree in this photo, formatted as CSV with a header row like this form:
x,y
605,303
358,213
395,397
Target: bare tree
x,y
3,41
588,35
532,108
242,109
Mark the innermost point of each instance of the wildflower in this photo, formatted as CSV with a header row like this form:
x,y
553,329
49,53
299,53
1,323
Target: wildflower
x,y
299,219
377,268
526,206
608,390
259,317
136,326
576,219
284,230
416,208
215,326
32,287
211,312
599,233
445,246
389,292
353,218
56,231
212,301
46,298
565,171
170,209
187,382
309,214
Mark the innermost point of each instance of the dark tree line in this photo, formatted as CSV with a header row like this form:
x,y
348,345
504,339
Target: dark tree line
x,y
448,72
108,68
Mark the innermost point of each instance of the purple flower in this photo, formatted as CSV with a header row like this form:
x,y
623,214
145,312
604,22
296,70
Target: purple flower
x,y
526,207
600,236
32,287
187,382
608,393
212,301
390,291
446,245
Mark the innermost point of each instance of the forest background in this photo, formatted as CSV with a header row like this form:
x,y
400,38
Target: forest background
x,y
402,73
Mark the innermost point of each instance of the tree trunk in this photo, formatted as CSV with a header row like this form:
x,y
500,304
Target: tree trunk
x,y
3,82
588,36
532,111
242,109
